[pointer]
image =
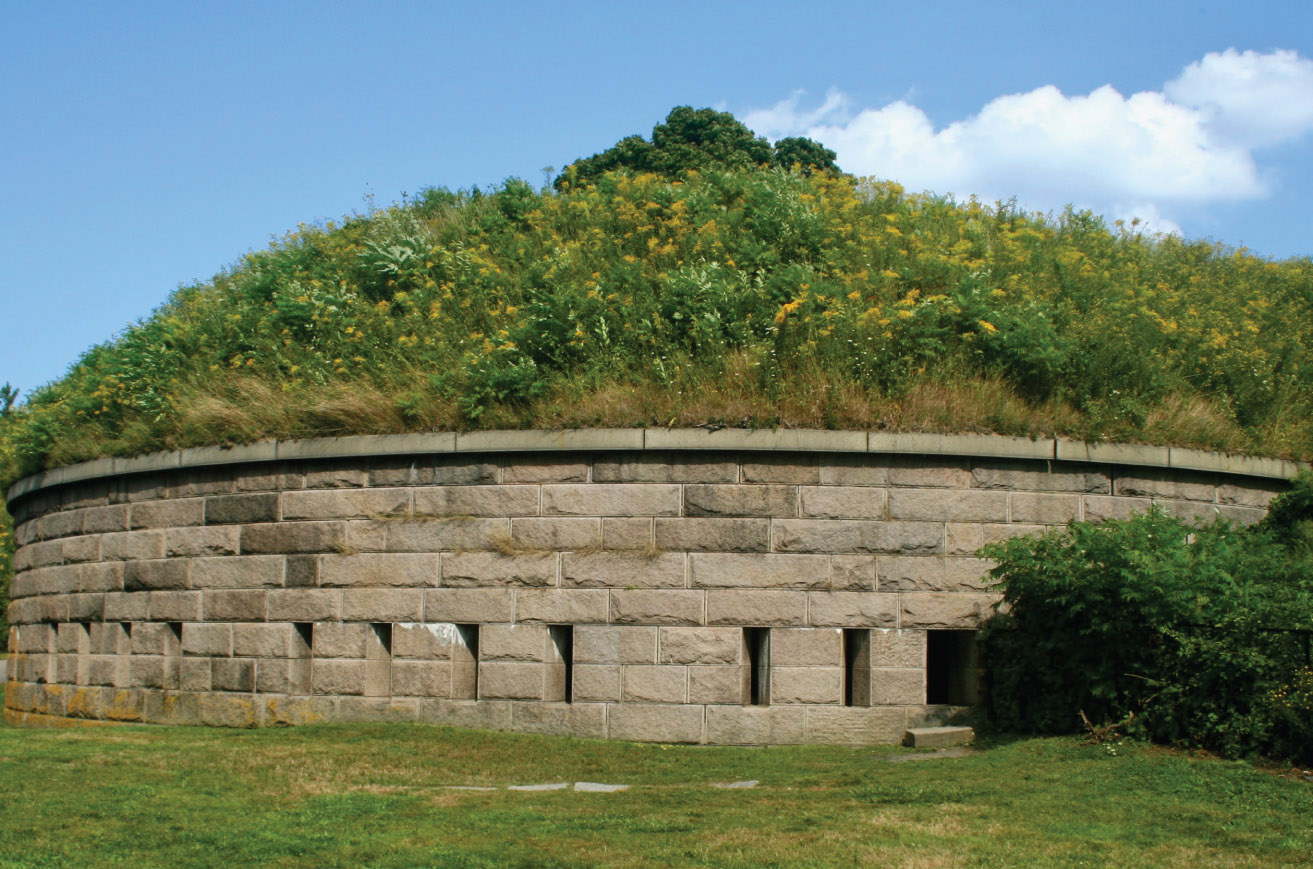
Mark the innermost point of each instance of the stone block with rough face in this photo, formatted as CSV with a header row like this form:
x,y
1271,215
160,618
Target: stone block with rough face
x,y
734,500
207,640
654,684
897,687
172,513
805,685
596,682
749,607
619,499
421,678
657,607
492,569
756,725
699,645
726,570
609,644
654,723
854,536
234,605
468,605
303,605
174,606
372,570
550,469
340,640
1040,508
561,606
556,533
713,535
852,609
806,647
854,726
242,509
450,534
898,649
844,502
507,680
429,641
514,642
339,677
664,468
292,537
623,569
945,609
482,501
383,604
718,685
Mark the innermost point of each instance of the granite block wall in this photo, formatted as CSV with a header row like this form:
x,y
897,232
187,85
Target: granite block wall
x,y
721,596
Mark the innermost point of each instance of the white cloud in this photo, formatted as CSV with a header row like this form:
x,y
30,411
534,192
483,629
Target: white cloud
x,y
1145,155
1250,98
785,117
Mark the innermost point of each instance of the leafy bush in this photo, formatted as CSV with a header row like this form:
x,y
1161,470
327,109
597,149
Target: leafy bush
x,y
1202,633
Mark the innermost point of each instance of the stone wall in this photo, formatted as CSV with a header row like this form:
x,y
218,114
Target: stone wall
x,y
729,589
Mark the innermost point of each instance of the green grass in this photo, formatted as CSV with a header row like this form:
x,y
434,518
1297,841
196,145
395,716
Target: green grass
x,y
380,796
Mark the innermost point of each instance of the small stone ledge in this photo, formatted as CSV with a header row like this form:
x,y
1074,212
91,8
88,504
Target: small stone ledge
x,y
669,440
937,737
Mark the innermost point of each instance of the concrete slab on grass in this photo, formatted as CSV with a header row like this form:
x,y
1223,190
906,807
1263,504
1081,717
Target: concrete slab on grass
x,y
934,737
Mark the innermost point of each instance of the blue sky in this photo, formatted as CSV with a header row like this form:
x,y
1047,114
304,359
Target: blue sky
x,y
148,145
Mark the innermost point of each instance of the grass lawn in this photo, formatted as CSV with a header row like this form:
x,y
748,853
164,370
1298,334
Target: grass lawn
x,y
384,795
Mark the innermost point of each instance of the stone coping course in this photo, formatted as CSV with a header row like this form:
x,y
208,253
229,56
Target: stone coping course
x,y
668,440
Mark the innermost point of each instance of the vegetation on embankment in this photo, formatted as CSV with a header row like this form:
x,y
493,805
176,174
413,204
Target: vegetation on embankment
x,y
733,293
407,795
691,280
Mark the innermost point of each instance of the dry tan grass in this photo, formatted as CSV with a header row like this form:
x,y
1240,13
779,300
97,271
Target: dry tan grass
x,y
241,408
1193,421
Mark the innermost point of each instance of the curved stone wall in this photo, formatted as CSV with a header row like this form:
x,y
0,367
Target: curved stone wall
x,y
691,586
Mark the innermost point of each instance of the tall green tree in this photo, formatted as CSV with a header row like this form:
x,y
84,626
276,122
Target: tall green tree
x,y
698,139
811,155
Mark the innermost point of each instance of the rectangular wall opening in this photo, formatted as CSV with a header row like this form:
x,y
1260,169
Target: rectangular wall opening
x,y
856,667
560,667
378,659
951,676
756,665
298,674
119,644
82,643
167,641
465,663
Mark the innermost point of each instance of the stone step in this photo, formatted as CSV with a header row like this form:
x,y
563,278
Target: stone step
x,y
934,737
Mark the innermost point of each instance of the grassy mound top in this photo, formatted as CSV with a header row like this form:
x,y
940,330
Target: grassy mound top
x,y
741,296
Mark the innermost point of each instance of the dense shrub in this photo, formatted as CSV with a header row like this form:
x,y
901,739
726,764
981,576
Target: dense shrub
x,y
1202,633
